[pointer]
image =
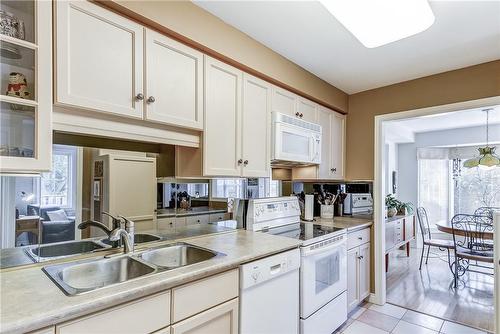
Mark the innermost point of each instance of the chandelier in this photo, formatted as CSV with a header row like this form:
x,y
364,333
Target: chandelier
x,y
487,159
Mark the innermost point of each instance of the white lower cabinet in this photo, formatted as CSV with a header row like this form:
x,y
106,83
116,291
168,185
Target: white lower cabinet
x,y
216,217
171,224
153,312
358,272
222,319
205,306
193,220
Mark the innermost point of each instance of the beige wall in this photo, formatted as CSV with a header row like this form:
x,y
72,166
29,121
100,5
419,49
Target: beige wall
x,y
199,25
470,83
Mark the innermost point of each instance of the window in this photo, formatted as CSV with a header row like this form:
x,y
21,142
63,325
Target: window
x,y
58,186
476,188
226,188
433,188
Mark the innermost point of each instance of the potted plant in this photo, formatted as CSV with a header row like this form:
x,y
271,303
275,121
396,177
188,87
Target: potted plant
x,y
391,205
404,209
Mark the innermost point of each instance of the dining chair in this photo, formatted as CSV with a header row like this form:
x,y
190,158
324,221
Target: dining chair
x,y
486,211
427,239
471,243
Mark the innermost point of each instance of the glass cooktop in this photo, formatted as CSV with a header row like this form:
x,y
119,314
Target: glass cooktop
x,y
310,231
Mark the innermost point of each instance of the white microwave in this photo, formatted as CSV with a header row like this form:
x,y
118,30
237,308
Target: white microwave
x,y
295,142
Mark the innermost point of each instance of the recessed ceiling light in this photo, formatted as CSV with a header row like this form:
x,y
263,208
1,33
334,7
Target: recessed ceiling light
x,y
378,22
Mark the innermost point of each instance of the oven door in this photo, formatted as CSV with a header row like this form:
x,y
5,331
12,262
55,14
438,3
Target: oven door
x,y
323,274
292,143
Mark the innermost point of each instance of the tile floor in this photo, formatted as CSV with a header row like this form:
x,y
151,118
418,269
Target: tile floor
x,y
375,319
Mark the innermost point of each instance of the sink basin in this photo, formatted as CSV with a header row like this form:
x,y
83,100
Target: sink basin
x,y
139,238
79,277
64,249
177,255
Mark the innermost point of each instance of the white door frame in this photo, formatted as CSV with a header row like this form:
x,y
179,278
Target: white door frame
x,y
496,263
379,297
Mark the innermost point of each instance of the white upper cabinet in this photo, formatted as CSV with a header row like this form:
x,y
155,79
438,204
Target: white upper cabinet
x,y
221,139
337,161
284,101
256,128
307,110
26,86
99,57
332,144
174,82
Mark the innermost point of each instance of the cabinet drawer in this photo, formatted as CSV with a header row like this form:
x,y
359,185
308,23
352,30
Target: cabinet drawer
x,y
216,217
171,224
198,296
357,238
142,316
193,220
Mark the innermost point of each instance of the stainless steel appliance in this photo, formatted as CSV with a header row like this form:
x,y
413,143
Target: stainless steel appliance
x,y
323,271
358,204
295,142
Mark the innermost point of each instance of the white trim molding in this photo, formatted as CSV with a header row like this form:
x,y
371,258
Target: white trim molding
x,y
379,296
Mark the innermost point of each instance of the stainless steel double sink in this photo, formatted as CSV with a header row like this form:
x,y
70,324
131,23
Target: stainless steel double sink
x,y
75,278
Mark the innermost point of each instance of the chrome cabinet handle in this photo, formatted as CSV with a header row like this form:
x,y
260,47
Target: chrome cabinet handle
x,y
360,238
297,114
333,170
360,257
151,99
240,161
301,114
245,162
139,97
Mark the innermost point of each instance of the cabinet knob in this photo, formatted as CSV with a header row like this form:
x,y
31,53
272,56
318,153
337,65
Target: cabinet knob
x,y
139,97
360,257
297,114
333,170
151,99
360,238
240,161
245,162
301,115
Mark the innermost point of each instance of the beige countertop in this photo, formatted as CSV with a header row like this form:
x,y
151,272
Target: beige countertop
x,y
350,223
30,300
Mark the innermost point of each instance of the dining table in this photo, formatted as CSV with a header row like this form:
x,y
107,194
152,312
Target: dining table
x,y
445,226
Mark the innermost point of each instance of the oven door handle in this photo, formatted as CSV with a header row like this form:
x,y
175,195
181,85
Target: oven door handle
x,y
307,251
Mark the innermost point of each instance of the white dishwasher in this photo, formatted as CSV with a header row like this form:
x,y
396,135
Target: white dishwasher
x,y
269,296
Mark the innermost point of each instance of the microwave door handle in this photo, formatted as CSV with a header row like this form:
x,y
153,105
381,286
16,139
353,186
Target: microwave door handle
x,y
313,148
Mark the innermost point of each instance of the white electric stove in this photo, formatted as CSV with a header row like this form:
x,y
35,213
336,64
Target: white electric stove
x,y
323,271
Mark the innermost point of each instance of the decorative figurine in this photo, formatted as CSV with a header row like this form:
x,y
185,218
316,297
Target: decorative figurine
x,y
18,86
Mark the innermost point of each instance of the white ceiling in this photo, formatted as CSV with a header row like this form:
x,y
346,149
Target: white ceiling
x,y
404,130
464,33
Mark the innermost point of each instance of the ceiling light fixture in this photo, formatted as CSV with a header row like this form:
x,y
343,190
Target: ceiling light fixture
x,y
487,158
378,22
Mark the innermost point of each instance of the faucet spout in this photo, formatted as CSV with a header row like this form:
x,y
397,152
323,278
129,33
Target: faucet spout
x,y
97,224
120,233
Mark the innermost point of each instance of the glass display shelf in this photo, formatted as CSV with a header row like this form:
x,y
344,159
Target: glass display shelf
x,y
18,130
18,19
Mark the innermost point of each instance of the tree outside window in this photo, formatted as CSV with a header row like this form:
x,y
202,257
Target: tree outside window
x,y
57,185
476,188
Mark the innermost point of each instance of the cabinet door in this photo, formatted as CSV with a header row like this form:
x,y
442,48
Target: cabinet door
x,y
194,220
222,136
409,227
256,139
308,110
352,278
284,101
174,82
364,271
324,119
337,142
390,232
222,319
99,59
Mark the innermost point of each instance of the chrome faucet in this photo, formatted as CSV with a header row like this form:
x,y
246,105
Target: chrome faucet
x,y
97,224
126,234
